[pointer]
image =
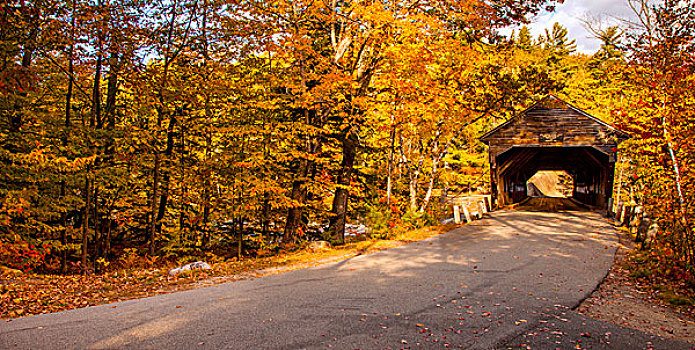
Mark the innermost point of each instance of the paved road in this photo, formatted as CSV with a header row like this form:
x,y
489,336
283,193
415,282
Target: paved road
x,y
509,280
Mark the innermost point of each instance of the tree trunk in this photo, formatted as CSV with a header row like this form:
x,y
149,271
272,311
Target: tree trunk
x,y
265,211
63,232
342,194
166,172
111,90
299,183
107,243
265,214
95,120
688,250
98,244
163,199
206,190
153,203
412,187
392,139
64,141
85,220
413,174
241,237
299,194
162,111
430,186
414,177
299,191
109,213
207,184
433,175
205,238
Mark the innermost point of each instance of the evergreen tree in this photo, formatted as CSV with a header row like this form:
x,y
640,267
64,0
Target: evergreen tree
x,y
557,41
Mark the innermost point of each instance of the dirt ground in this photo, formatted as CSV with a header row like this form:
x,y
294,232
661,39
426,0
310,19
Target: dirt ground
x,y
619,301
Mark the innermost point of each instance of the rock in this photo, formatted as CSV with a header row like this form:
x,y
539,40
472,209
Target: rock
x,y
318,246
198,265
447,221
355,230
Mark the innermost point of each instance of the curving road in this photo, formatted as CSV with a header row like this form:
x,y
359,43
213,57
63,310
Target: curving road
x,y
507,281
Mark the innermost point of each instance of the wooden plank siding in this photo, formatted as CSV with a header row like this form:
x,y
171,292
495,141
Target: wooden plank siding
x,y
553,135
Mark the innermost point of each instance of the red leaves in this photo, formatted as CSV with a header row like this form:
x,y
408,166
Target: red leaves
x,y
23,255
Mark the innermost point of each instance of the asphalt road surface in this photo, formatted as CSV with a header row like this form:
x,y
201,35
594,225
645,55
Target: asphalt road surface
x,y
510,280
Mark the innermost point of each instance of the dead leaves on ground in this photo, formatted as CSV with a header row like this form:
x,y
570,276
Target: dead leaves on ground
x,y
30,294
36,294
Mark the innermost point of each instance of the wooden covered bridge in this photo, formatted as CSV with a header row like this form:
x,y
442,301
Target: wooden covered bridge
x,y
553,135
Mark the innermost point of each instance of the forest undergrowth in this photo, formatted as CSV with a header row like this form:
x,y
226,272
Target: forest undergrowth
x,y
135,276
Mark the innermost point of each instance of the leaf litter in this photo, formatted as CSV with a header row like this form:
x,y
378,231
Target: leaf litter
x,y
626,301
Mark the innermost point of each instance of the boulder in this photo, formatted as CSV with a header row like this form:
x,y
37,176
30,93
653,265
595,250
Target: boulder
x,y
198,265
318,246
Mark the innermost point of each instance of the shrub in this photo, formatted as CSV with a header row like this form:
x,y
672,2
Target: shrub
x,y
24,255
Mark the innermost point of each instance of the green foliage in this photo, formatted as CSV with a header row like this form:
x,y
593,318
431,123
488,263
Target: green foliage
x,y
381,219
675,299
132,258
557,42
413,220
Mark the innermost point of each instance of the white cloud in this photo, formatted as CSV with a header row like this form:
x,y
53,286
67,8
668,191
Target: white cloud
x,y
570,15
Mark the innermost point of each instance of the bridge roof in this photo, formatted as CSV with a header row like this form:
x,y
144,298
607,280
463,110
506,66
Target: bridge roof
x,y
554,116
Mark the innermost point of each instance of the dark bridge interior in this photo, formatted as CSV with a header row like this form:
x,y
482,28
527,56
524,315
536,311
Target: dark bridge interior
x,y
590,169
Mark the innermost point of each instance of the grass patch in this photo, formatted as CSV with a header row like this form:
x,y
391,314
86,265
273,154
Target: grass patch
x,y
640,273
675,299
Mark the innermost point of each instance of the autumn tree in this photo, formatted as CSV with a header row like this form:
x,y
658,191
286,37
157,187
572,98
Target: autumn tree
x,y
662,68
176,127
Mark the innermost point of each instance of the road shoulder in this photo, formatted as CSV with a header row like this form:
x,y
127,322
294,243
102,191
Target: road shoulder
x,y
619,301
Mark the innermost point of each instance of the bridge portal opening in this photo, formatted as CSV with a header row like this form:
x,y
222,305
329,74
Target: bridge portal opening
x,y
550,183
581,173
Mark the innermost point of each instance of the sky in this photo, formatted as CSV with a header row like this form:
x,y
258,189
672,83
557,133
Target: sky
x,y
570,15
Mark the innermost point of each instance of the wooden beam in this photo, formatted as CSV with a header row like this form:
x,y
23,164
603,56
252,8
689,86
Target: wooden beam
x,y
588,153
519,160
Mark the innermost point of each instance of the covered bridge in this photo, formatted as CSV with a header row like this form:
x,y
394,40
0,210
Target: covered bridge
x,y
553,135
